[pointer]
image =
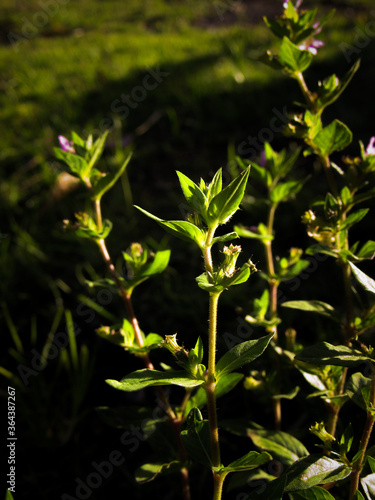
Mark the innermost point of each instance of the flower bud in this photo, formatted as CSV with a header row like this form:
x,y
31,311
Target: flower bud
x,y
320,431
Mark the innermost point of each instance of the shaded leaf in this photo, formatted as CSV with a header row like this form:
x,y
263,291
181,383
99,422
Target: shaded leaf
x,y
193,194
328,354
314,493
316,306
148,472
196,438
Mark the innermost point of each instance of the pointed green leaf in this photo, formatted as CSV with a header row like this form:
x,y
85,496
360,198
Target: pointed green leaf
x,y
250,461
328,98
97,150
371,462
285,190
193,194
314,493
241,354
313,471
148,472
182,229
245,232
353,218
226,203
216,185
367,251
225,237
281,445
358,390
292,58
368,485
105,183
316,306
146,377
328,354
367,282
358,496
335,137
196,438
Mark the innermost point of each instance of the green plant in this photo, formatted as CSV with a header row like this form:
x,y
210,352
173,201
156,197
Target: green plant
x,y
346,460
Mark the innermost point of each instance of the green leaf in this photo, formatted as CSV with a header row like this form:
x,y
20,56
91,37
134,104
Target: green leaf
x,y
96,150
156,266
146,377
314,493
368,485
225,237
105,183
77,165
193,194
292,58
244,232
241,354
148,472
358,389
196,438
281,445
328,96
367,282
367,251
8,495
371,462
314,470
358,496
215,186
316,306
328,354
217,286
353,218
285,190
226,203
250,461
182,229
335,137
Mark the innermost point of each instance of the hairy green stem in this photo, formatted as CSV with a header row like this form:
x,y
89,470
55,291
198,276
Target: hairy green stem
x,y
218,485
306,92
211,380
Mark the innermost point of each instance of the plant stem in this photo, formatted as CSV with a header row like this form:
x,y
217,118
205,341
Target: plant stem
x,y
218,485
306,92
364,441
211,381
273,286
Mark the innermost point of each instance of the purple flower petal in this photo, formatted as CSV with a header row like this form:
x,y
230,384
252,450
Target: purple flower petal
x,y
370,150
66,145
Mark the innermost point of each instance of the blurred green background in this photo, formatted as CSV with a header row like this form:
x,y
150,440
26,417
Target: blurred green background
x,y
65,65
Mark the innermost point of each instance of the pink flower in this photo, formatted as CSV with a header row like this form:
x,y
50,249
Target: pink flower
x,y
286,3
311,44
370,150
66,145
